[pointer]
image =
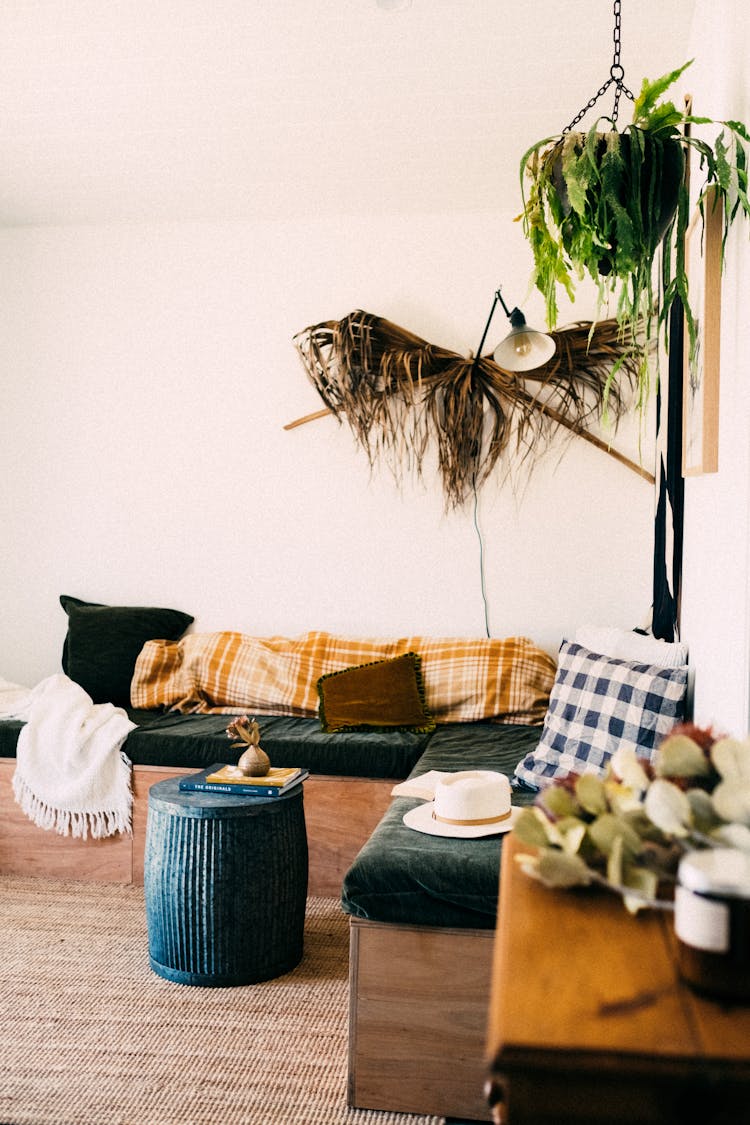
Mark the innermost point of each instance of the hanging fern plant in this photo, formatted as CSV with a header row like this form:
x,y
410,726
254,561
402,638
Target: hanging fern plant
x,y
602,203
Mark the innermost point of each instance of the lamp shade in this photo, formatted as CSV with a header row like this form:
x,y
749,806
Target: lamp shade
x,y
523,349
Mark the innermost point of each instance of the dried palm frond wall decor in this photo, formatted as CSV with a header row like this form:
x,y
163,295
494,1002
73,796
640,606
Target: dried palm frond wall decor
x,y
401,394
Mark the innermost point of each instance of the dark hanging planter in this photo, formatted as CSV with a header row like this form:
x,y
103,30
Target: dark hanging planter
x,y
602,204
646,188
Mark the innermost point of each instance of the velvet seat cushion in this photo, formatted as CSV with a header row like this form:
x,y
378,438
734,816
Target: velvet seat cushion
x,y
197,741
9,732
407,877
192,742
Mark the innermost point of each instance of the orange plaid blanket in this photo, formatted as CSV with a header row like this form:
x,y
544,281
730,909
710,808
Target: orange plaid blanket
x,y
465,679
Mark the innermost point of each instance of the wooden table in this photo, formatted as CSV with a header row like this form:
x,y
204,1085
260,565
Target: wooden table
x,y
589,1021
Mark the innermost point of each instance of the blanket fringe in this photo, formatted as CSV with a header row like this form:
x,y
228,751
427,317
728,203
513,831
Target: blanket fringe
x,y
81,825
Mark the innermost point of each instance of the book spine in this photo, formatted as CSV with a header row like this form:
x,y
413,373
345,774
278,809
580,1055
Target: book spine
x,y
239,790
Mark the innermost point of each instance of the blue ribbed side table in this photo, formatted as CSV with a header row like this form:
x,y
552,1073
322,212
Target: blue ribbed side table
x,y
225,882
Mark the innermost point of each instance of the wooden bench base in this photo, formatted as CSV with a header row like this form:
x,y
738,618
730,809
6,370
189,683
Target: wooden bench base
x,y
340,813
418,1000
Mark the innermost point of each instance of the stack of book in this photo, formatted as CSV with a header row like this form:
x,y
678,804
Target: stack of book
x,y
229,779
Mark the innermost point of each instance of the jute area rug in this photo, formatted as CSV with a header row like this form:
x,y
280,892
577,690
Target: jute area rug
x,y
90,1036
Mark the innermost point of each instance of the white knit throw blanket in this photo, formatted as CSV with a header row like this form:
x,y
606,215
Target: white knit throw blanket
x,y
71,774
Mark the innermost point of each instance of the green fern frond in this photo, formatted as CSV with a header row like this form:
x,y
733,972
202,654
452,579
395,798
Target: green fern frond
x,y
738,128
723,167
645,104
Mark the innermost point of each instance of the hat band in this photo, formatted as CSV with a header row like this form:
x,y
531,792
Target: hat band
x,y
484,820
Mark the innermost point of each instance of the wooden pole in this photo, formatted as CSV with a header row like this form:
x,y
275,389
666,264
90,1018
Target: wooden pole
x,y
553,414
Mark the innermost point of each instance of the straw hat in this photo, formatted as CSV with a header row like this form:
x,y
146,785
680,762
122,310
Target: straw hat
x,y
467,805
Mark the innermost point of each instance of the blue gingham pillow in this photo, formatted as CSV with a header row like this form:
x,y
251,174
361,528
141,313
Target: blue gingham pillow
x,y
598,704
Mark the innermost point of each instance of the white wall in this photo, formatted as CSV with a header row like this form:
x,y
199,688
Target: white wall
x,y
146,372
716,599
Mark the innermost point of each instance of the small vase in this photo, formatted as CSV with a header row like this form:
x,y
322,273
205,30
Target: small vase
x,y
254,762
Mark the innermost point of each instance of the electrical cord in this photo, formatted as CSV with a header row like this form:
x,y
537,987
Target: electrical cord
x,y
478,530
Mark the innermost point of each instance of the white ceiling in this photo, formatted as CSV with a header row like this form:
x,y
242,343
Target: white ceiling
x,y
129,110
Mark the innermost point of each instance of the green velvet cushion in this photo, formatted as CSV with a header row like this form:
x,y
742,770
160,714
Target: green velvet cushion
x,y
103,642
383,694
409,878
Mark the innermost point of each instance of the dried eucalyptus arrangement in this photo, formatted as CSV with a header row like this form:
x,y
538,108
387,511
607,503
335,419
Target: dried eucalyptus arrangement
x,y
628,830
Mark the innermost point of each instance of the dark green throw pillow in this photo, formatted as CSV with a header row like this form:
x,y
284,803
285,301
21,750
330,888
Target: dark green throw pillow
x,y
103,643
384,694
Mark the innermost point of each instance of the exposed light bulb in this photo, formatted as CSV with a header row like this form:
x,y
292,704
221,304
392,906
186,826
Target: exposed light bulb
x,y
522,344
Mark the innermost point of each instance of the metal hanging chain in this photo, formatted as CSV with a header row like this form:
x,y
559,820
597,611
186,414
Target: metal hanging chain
x,y
616,75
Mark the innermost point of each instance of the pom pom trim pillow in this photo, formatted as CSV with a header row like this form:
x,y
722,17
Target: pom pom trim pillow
x,y
103,642
598,704
383,693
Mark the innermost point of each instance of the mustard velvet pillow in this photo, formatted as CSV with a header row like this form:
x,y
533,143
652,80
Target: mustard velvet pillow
x,y
383,694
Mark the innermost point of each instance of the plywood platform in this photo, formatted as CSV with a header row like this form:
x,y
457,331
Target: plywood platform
x,y
340,814
418,1018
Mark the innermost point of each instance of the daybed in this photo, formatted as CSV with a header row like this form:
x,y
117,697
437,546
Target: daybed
x,y
349,789
181,693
